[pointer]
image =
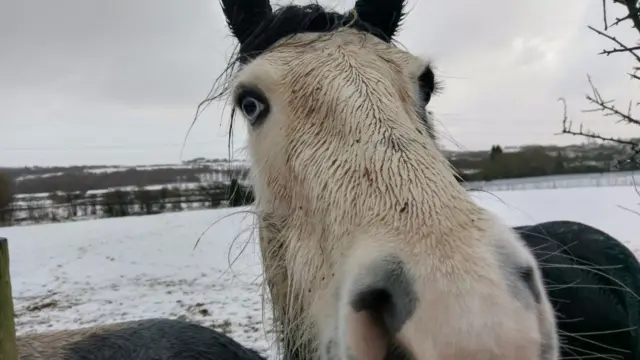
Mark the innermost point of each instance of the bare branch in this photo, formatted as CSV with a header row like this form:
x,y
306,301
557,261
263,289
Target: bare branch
x,y
566,124
618,21
591,135
634,14
610,110
629,210
616,50
633,145
604,14
623,46
607,108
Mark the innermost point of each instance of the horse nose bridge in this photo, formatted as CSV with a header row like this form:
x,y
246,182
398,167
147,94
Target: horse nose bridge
x,y
384,291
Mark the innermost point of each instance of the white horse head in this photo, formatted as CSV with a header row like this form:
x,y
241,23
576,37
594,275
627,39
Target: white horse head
x,y
372,249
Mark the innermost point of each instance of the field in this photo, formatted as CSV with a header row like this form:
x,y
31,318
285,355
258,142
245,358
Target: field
x,y
43,208
88,272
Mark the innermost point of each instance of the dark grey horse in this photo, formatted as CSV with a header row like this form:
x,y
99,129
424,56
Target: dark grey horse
x,y
151,339
593,281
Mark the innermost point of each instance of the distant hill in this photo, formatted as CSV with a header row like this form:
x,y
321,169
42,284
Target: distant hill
x,y
495,163
29,180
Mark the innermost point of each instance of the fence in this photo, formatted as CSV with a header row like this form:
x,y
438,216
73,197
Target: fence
x,y
8,347
118,203
622,178
122,202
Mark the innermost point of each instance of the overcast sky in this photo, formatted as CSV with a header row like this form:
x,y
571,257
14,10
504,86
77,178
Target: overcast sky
x,y
118,81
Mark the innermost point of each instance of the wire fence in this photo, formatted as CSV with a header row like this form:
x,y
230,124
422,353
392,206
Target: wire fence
x,y
606,179
118,203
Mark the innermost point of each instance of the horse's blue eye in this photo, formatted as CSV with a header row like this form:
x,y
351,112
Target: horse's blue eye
x,y
251,107
254,106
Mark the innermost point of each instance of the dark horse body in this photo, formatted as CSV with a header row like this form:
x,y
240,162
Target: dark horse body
x,y
593,282
150,339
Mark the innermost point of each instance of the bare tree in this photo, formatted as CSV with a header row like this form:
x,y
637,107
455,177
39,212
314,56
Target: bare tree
x,y
606,107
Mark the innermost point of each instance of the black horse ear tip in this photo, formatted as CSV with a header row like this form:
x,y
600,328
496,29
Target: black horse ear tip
x,y
243,16
247,5
385,15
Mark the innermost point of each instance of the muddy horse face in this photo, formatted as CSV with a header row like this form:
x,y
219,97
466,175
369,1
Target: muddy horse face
x,y
371,248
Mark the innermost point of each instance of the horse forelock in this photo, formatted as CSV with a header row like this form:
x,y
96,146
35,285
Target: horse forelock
x,y
291,20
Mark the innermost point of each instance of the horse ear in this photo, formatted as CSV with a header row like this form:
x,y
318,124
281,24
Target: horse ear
x,y
244,16
384,15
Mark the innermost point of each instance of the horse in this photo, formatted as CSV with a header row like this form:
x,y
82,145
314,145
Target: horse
x,y
593,281
149,339
371,249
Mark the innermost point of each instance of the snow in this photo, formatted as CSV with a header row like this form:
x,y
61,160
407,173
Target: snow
x,y
81,273
210,164
28,177
615,210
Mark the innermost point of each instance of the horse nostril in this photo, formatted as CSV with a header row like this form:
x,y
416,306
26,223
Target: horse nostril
x,y
379,305
386,293
382,299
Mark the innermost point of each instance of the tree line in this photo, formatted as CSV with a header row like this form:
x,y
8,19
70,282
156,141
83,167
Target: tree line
x,y
533,161
60,206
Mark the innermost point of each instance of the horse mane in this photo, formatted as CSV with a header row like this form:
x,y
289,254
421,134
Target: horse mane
x,y
291,20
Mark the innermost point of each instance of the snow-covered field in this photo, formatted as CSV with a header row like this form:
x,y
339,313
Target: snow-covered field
x,y
80,273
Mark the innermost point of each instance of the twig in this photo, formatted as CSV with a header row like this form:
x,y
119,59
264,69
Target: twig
x,y
617,50
634,14
609,110
604,14
616,41
629,210
607,107
619,20
634,146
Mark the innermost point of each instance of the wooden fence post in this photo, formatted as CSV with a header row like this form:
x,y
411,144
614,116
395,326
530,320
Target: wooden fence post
x,y
8,347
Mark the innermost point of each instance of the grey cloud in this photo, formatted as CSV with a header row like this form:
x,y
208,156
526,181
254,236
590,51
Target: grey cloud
x,y
149,51
75,74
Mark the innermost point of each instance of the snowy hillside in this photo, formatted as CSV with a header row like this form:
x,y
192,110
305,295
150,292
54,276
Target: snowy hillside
x,y
74,274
